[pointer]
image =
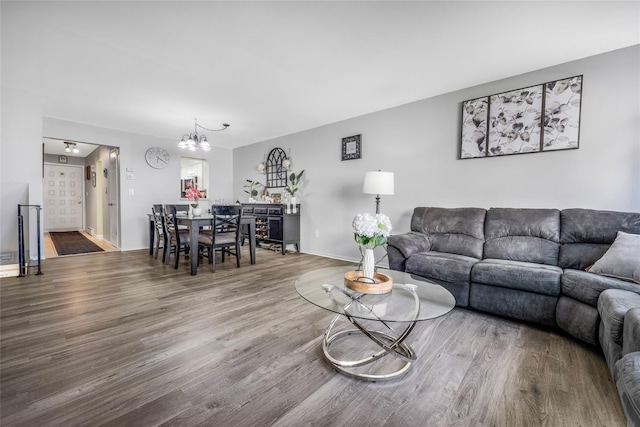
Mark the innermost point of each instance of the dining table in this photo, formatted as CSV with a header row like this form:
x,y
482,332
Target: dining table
x,y
195,223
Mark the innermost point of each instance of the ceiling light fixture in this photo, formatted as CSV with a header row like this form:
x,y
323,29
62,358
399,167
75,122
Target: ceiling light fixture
x,y
193,141
71,146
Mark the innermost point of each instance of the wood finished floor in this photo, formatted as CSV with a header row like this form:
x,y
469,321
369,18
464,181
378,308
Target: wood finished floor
x,y
119,339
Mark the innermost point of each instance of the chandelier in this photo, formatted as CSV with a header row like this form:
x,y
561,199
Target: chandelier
x,y
193,141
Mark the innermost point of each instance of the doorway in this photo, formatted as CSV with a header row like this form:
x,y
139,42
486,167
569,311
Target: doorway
x,y
63,201
84,195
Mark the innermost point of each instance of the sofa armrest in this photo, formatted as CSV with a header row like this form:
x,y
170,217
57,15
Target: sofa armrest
x,y
631,331
409,243
402,246
627,378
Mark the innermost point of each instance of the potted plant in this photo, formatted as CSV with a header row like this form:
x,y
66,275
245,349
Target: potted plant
x,y
370,231
292,187
252,189
194,194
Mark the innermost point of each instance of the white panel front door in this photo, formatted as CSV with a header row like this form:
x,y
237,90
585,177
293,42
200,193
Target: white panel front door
x,y
63,197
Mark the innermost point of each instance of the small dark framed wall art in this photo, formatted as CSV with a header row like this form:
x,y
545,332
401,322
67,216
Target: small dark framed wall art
x,y
352,147
544,117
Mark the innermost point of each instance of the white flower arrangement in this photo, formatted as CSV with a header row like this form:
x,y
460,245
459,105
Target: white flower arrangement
x,y
371,230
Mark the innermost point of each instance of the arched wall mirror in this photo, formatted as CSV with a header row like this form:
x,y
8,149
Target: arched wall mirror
x,y
276,171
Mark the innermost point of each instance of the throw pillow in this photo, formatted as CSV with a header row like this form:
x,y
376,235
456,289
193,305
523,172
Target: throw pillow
x,y
622,260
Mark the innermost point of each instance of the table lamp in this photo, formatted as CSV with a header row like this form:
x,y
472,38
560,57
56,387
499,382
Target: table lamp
x,y
378,182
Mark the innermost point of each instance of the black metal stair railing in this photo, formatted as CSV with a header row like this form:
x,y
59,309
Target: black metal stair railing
x,y
21,258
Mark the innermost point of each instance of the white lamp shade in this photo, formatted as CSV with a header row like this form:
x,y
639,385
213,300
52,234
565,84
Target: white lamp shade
x,y
378,182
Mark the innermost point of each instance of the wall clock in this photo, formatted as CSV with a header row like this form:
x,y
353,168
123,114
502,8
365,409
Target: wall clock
x,y
157,157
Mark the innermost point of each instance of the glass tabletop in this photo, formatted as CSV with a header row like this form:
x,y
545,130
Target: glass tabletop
x,y
410,299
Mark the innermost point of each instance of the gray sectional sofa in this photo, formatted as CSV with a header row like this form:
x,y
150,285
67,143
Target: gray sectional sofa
x,y
559,268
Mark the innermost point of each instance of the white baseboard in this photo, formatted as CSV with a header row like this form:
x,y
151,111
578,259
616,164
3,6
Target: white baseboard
x,y
384,264
9,270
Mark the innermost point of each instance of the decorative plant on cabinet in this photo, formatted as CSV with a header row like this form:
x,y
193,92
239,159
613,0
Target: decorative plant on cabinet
x,y
292,187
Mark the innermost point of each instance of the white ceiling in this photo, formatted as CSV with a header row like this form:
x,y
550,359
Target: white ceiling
x,y
276,68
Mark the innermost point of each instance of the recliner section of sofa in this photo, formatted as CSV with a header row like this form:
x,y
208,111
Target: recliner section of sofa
x,y
443,245
585,235
518,276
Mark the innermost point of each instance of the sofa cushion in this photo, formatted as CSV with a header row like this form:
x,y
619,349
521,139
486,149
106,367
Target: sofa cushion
x,y
580,256
525,276
622,260
586,234
452,230
514,303
529,235
613,304
586,287
441,266
627,377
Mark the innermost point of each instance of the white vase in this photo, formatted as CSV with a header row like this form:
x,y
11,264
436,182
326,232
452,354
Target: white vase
x,y
368,263
294,201
196,211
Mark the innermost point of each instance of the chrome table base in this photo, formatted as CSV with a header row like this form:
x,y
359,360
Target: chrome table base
x,y
390,343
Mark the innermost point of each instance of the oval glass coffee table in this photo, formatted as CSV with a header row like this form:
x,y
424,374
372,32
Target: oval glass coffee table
x,y
386,320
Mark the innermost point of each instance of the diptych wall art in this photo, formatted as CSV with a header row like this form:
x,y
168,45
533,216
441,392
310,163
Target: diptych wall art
x,y
539,118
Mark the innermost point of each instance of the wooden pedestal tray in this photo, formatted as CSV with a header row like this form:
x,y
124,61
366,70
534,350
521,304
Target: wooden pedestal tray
x,y
380,284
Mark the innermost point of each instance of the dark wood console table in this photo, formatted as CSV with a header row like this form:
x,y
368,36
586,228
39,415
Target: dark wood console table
x,y
273,224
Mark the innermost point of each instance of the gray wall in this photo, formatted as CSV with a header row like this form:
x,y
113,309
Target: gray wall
x,y
20,165
419,142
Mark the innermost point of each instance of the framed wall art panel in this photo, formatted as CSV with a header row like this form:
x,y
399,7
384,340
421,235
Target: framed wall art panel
x,y
562,114
474,128
514,121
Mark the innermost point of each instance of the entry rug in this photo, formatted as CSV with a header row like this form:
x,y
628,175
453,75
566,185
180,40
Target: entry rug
x,y
72,242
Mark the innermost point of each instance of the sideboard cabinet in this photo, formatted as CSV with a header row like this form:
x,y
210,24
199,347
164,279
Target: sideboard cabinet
x,y
273,224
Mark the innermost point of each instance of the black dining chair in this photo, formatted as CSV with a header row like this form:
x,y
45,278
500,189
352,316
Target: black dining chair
x,y
224,235
182,208
160,231
178,239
